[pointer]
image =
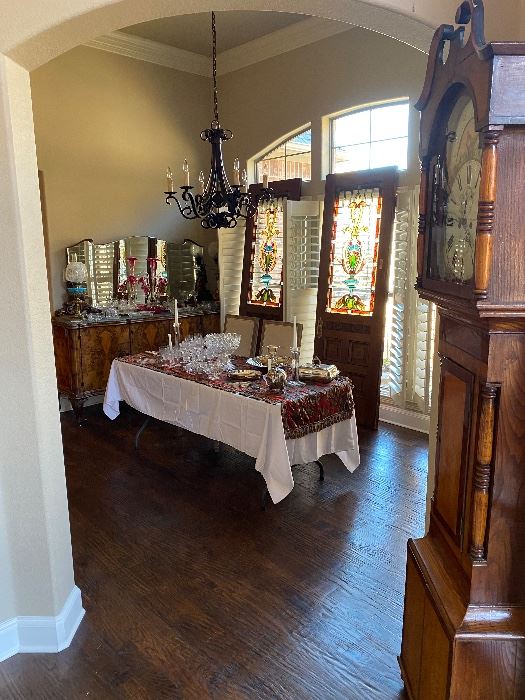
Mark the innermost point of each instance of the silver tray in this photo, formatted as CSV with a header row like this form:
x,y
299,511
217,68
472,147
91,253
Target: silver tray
x,y
318,373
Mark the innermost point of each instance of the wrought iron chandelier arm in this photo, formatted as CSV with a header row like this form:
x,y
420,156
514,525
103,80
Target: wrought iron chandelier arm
x,y
189,209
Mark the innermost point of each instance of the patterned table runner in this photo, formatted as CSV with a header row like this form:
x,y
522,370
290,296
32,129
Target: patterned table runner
x,y
305,409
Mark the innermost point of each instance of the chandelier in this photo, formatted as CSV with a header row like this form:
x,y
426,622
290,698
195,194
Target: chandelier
x,y
220,204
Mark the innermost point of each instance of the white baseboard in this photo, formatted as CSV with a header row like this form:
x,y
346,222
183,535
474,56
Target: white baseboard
x,y
404,418
42,634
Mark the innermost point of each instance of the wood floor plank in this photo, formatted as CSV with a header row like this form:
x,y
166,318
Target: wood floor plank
x,y
192,591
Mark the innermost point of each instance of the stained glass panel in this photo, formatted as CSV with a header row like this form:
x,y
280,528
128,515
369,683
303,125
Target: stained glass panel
x,y
355,248
267,258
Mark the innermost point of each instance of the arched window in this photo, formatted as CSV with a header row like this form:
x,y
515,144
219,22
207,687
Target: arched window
x,y
291,158
374,137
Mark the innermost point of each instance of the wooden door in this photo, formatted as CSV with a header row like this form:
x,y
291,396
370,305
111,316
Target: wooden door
x,y
353,281
262,273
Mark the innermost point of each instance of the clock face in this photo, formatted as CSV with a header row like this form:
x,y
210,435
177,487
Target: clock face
x,y
455,198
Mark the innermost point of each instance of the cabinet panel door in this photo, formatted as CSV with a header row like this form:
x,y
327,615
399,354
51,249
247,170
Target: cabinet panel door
x,y
66,359
435,658
211,323
149,335
412,628
190,325
455,410
99,347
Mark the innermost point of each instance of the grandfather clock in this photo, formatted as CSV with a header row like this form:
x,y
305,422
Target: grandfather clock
x,y
464,617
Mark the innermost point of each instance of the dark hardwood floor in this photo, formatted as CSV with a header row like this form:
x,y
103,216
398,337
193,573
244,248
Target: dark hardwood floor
x,y
192,591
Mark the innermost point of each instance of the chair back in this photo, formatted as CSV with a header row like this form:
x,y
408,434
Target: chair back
x,y
248,328
279,333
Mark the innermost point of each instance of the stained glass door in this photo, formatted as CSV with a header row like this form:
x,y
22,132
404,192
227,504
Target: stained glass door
x,y
353,280
264,262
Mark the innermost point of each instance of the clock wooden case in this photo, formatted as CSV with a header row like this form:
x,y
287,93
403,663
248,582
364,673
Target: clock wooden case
x,y
464,618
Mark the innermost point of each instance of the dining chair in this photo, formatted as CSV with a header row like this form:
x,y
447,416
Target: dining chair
x,y
279,333
248,328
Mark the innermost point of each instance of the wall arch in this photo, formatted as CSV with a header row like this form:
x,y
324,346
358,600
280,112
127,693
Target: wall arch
x,y
32,38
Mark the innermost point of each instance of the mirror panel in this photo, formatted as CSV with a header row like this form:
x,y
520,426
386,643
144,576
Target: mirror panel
x,y
182,267
179,263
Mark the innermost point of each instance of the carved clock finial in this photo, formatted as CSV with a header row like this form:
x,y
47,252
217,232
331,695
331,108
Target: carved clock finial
x,y
469,12
473,12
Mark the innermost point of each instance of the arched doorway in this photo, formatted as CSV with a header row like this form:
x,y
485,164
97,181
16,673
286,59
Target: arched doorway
x,y
34,512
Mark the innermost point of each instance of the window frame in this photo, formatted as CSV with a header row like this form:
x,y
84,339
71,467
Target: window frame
x,y
280,143
367,108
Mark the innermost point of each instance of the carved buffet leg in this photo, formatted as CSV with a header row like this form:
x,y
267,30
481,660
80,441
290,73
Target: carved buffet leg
x,y
486,214
482,472
78,407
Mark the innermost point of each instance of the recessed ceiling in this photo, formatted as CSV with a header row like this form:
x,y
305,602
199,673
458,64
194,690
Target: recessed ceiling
x,y
193,32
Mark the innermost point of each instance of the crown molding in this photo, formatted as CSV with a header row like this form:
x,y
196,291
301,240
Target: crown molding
x,y
152,52
308,31
295,36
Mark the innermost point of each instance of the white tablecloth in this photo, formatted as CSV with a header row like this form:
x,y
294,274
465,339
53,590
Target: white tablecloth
x,y
252,426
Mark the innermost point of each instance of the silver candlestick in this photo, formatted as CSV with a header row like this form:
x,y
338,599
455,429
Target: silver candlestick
x,y
295,381
177,354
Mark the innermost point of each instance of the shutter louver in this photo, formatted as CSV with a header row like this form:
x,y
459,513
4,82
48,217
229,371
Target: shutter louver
x,y
303,246
231,254
409,334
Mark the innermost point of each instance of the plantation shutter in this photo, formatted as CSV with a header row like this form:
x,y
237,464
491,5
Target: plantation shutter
x,y
231,253
410,324
102,272
301,270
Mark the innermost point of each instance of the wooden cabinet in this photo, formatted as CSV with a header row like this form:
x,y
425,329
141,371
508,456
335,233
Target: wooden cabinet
x,y
84,352
149,335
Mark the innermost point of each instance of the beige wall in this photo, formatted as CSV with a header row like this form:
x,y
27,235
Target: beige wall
x,y
263,102
106,128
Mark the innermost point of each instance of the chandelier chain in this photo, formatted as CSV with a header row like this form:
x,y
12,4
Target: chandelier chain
x,y
214,68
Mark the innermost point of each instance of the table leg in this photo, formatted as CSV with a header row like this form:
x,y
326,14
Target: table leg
x,y
264,497
140,431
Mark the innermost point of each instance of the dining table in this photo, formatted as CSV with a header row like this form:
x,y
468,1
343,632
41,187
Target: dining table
x,y
280,429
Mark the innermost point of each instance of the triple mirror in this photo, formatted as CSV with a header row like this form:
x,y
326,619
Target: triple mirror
x,y
181,264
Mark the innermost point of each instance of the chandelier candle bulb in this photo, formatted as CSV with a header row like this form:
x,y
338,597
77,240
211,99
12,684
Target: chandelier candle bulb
x,y
169,180
186,171
236,170
294,342
170,344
